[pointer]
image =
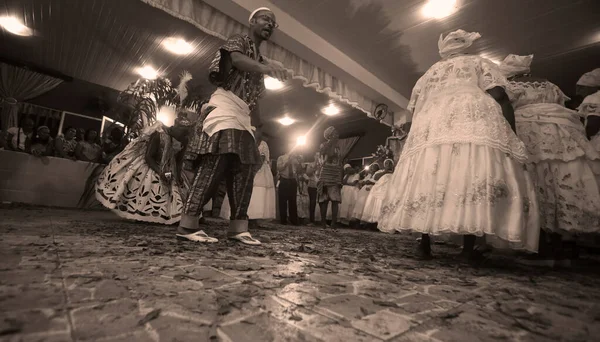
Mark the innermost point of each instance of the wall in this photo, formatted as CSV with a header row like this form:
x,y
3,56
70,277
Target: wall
x,y
46,181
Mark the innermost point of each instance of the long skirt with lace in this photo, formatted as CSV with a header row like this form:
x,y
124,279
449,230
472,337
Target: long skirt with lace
x,y
375,199
463,189
133,191
263,201
349,197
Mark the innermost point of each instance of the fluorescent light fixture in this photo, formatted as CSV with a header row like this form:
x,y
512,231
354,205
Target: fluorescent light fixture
x,y
177,46
439,9
273,83
301,140
15,26
331,110
148,72
286,121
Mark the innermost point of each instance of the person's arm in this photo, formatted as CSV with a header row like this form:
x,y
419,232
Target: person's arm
x,y
256,121
593,126
151,152
499,94
244,63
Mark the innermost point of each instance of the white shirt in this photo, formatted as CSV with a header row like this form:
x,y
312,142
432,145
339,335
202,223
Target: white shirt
x,y
15,132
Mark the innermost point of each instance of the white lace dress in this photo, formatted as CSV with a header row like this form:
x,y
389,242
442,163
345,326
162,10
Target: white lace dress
x,y
133,191
349,196
262,202
560,156
374,201
361,198
462,170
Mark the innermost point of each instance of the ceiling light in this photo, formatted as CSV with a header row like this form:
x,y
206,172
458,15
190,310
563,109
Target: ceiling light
x,y
439,8
178,46
286,121
148,72
15,26
273,83
301,140
331,110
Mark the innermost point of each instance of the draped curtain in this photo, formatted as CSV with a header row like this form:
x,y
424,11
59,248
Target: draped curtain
x,y
213,22
345,146
18,84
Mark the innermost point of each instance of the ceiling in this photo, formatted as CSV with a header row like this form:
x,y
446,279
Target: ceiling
x,y
393,40
103,42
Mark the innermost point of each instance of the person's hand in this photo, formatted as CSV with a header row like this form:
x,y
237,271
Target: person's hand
x,y
166,177
276,71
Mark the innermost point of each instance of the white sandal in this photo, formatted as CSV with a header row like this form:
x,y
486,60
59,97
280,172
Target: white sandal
x,y
246,239
199,236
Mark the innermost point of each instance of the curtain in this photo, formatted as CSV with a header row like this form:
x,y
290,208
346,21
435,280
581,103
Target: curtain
x,y
217,24
346,145
18,84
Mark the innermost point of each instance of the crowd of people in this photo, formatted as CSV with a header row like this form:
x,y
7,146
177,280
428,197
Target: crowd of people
x,y
74,144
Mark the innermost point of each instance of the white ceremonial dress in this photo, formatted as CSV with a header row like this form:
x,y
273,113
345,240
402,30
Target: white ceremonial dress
x,y
462,170
349,197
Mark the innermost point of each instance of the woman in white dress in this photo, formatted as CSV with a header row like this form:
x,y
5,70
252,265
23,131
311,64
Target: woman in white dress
x,y
462,170
590,110
364,186
143,182
349,193
375,198
262,202
560,156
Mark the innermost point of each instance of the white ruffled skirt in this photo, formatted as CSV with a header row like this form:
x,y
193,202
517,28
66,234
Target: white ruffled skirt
x,y
374,201
349,197
463,189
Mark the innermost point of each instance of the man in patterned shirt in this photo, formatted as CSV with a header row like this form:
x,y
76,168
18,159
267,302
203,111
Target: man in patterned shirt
x,y
223,145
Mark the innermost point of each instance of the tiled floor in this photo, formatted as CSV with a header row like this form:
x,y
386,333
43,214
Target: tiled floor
x,y
89,276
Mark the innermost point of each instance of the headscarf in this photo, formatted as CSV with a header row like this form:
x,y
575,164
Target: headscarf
x,y
41,128
456,42
590,105
385,162
590,79
347,166
256,11
514,65
330,132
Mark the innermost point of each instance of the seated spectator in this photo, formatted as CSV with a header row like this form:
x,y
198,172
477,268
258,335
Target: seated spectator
x,y
41,145
87,149
113,144
64,144
18,135
80,135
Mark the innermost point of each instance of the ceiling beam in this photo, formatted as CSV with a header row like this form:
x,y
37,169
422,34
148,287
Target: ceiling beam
x,y
300,40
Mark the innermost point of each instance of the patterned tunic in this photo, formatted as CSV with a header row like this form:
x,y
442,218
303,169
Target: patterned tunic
x,y
248,86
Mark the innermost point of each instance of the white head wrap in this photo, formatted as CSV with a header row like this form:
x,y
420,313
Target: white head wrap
x,y
515,65
256,11
590,105
590,79
347,166
456,42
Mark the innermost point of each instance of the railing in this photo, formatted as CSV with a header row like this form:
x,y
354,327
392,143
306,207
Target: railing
x,y
47,181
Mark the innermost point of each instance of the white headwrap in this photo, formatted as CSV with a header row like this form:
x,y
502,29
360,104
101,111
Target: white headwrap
x,y
456,42
590,105
256,11
515,65
590,79
347,166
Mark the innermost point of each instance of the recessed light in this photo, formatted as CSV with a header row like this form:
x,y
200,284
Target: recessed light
x,y
178,46
15,26
148,72
273,83
331,110
439,8
286,121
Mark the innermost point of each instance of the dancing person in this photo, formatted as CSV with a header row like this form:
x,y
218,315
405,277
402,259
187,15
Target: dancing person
x,y
17,136
65,144
223,142
87,149
364,186
373,204
40,145
262,202
144,181
330,180
312,192
590,110
287,168
462,170
349,193
560,157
